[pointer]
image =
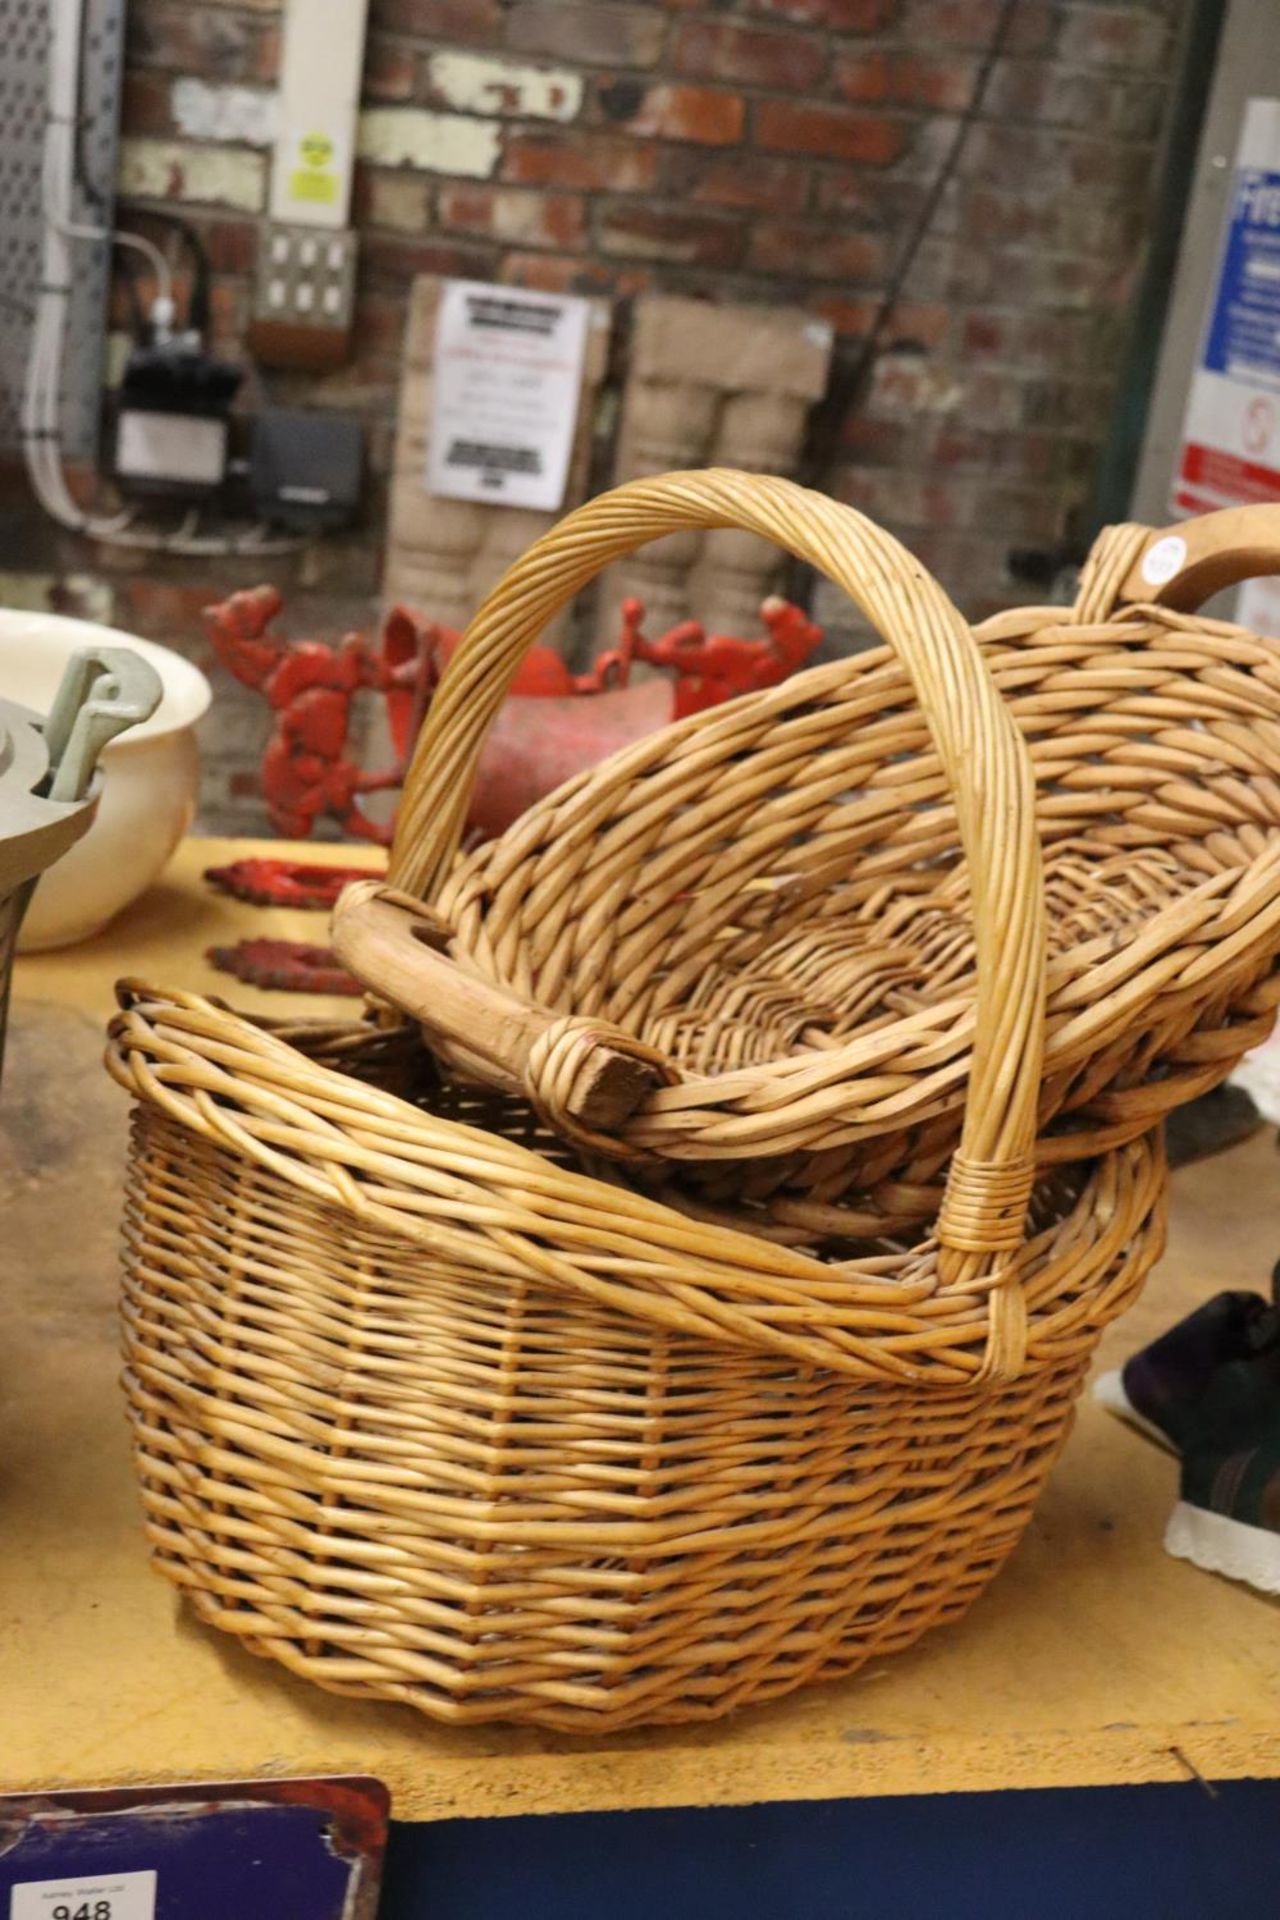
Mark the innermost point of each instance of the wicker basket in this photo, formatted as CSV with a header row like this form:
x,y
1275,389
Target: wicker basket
x,y
424,1414
755,949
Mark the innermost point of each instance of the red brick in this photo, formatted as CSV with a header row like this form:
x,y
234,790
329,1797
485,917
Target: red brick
x,y
843,16
232,245
1097,103
144,103
1063,222
868,198
583,31
228,311
1104,165
1020,455
758,56
378,331
513,216
903,499
992,334
994,276
877,443
473,22
955,446
1114,37
395,258
850,318
1020,513
919,322
999,153
837,133
180,38
120,306
390,70
724,180
703,114
579,158
1063,405
1062,342
865,77
266,57
905,79
971,23
820,253
567,273
664,233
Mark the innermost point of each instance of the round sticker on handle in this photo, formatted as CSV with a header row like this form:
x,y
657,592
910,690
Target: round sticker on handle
x,y
1164,559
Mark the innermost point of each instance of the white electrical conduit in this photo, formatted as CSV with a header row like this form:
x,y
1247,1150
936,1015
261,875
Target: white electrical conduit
x,y
41,432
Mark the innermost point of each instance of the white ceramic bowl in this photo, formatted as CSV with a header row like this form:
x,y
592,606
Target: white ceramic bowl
x,y
149,776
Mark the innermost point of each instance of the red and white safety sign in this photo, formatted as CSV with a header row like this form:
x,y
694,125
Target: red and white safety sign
x,y
1230,453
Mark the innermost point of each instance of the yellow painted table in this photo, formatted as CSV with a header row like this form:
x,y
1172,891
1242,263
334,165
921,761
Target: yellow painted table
x,y
1094,1659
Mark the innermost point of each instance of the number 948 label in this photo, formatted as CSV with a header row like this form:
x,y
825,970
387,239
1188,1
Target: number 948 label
x,y
107,1896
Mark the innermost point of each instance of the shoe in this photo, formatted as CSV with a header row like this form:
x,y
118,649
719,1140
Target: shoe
x,y
1227,1519
1159,1389
1219,1119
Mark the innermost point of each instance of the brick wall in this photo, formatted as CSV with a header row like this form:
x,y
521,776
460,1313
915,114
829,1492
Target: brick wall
x,y
739,149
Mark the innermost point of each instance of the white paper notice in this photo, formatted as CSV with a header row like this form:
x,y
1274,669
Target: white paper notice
x,y
508,375
102,1896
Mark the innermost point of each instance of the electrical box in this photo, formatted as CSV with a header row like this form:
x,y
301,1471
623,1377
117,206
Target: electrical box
x,y
304,297
307,259
321,63
306,469
173,422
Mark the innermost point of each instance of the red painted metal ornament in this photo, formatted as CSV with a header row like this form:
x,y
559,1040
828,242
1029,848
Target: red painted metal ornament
x,y
553,724
308,773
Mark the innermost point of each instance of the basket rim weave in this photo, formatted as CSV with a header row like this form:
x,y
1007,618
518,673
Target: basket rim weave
x,y
448,1187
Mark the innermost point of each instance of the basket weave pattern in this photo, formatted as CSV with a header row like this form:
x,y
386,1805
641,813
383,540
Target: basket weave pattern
x,y
905,957
781,898
424,1415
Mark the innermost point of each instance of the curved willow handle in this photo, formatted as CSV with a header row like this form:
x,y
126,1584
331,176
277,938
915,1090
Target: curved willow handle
x,y
1184,565
980,748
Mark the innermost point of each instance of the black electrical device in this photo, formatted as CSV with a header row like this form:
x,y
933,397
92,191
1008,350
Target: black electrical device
x,y
173,421
305,469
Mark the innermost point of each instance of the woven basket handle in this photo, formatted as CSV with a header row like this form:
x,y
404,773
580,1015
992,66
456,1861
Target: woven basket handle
x,y
981,750
1184,565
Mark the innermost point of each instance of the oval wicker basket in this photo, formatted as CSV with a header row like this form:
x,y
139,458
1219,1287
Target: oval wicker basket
x,y
424,1414
791,915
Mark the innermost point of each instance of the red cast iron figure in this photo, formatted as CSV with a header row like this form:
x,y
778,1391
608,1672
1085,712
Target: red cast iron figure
x,y
311,686
307,773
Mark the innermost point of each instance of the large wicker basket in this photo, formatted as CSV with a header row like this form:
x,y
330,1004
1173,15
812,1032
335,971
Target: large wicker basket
x,y
424,1414
755,949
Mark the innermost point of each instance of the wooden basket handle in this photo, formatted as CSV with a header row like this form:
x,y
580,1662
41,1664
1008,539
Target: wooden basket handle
x,y
1184,565
397,947
980,748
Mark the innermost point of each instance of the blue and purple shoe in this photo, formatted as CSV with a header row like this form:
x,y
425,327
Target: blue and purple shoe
x,y
1159,1390
1208,1391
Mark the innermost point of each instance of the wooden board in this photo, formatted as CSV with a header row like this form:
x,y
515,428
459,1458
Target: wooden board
x,y
1094,1659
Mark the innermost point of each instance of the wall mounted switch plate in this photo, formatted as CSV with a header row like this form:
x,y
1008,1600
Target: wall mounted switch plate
x,y
304,296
